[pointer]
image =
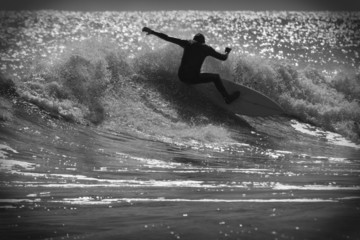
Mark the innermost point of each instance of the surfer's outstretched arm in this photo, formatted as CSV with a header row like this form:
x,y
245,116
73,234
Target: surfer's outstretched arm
x,y
165,37
220,56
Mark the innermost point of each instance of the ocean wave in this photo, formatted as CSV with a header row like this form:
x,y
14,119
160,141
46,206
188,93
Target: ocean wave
x,y
306,94
92,83
118,81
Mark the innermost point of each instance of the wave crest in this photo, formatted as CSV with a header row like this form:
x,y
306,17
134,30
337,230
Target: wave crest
x,y
305,93
96,82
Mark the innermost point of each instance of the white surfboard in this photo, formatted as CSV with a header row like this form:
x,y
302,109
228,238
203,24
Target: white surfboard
x,y
250,102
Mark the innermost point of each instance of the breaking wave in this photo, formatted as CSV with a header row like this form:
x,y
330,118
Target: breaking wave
x,y
96,82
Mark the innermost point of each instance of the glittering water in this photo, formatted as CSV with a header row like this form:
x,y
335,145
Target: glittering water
x,y
133,154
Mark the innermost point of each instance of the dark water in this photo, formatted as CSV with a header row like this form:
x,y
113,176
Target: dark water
x,y
64,181
103,142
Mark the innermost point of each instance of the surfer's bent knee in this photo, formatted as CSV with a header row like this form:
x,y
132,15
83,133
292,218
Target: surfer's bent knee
x,y
210,77
187,79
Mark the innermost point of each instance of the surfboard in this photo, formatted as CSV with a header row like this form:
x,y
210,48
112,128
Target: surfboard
x,y
250,103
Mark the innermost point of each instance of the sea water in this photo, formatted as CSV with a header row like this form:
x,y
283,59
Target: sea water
x,y
103,142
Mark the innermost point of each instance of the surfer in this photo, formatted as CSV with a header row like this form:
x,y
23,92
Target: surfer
x,y
195,52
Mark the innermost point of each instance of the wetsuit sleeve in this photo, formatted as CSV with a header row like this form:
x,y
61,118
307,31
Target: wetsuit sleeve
x,y
180,42
213,53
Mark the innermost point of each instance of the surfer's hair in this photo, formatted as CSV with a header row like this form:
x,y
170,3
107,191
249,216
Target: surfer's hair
x,y
199,38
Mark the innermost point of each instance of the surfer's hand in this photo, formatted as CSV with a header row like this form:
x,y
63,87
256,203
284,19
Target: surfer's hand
x,y
227,50
147,30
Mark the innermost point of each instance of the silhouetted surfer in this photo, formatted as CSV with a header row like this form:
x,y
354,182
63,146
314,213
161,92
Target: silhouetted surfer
x,y
195,52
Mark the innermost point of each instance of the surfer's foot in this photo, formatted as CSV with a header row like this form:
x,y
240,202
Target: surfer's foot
x,y
232,97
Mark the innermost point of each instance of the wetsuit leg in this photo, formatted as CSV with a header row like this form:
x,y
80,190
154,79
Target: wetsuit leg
x,y
215,78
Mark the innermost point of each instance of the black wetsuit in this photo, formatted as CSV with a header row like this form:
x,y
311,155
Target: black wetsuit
x,y
192,60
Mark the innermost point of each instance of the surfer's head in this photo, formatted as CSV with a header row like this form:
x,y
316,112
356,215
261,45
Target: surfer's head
x,y
199,38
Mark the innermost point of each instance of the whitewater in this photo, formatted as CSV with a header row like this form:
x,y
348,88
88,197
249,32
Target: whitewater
x,y
100,140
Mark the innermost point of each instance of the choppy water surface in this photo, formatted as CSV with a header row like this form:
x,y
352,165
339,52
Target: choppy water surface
x,y
65,181
107,144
